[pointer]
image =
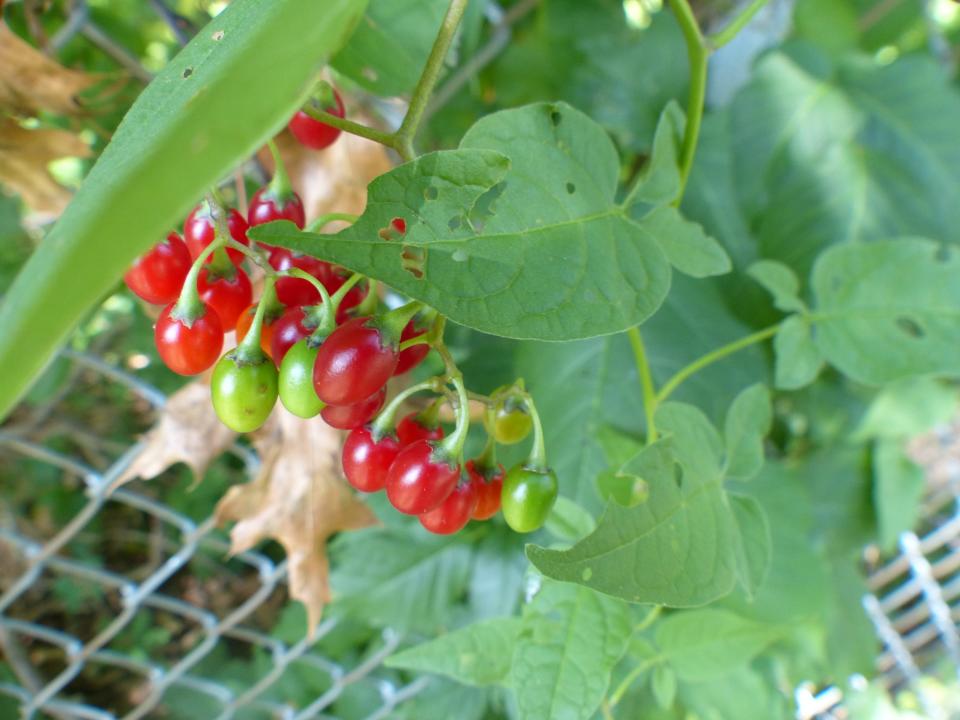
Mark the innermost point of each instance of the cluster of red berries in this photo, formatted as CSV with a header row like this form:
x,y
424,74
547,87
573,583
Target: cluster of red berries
x,y
314,340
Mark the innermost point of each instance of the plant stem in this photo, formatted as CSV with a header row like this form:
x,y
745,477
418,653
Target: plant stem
x,y
329,218
249,350
622,688
711,357
646,382
452,445
428,79
722,37
697,54
354,128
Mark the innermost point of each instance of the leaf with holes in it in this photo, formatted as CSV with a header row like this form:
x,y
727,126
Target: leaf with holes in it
x,y
680,547
516,233
887,310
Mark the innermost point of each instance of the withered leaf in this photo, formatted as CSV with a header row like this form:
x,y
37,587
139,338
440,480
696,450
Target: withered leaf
x,y
188,431
24,156
299,499
30,81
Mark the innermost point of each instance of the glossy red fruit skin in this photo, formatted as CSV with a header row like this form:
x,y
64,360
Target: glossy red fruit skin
x,y
348,417
289,329
313,133
365,461
264,209
189,350
157,276
412,356
488,491
409,430
228,296
295,291
453,513
198,232
353,363
418,480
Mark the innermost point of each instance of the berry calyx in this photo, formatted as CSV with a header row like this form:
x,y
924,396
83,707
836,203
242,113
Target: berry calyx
x,y
354,362
199,230
488,483
314,133
527,497
228,294
276,201
296,380
243,391
266,333
421,477
367,458
348,417
188,345
157,275
453,513
420,426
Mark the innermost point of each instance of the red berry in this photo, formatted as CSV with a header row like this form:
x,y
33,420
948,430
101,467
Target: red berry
x,y
412,356
266,329
410,429
189,350
419,480
454,512
296,291
366,461
228,296
353,363
315,134
348,417
157,276
198,232
294,325
349,301
264,208
488,488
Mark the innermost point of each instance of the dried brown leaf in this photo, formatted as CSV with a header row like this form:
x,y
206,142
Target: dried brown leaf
x,y
30,81
24,156
299,499
187,431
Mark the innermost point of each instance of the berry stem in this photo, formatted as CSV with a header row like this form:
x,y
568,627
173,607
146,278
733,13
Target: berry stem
x,y
385,421
697,54
392,323
418,340
279,188
189,306
319,286
428,79
330,217
249,350
646,382
452,445
538,453
354,128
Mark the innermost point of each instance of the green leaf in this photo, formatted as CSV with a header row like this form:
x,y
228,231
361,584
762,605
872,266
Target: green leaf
x,y
496,580
888,310
680,547
570,641
390,46
479,654
781,282
622,488
907,408
533,247
898,485
799,360
706,644
659,182
748,422
212,105
618,447
663,682
754,549
412,584
568,521
688,248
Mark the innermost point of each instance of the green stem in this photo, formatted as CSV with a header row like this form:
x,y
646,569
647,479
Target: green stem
x,y
418,340
189,306
329,218
254,255
622,688
428,79
249,350
722,37
674,382
329,310
697,54
452,445
279,188
370,302
646,382
385,420
354,128
538,453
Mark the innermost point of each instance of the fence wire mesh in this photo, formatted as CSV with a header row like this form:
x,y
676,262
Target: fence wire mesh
x,y
30,563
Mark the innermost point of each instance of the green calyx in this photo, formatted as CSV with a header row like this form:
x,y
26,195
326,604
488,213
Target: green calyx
x,y
322,97
249,352
190,307
279,190
392,323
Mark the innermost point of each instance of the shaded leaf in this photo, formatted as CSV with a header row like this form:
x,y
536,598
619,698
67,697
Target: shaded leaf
x,y
688,248
781,282
898,485
748,422
799,360
663,682
754,549
568,521
908,408
298,499
659,182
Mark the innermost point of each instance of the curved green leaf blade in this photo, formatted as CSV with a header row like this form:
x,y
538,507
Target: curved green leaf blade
x,y
533,247
748,422
235,84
